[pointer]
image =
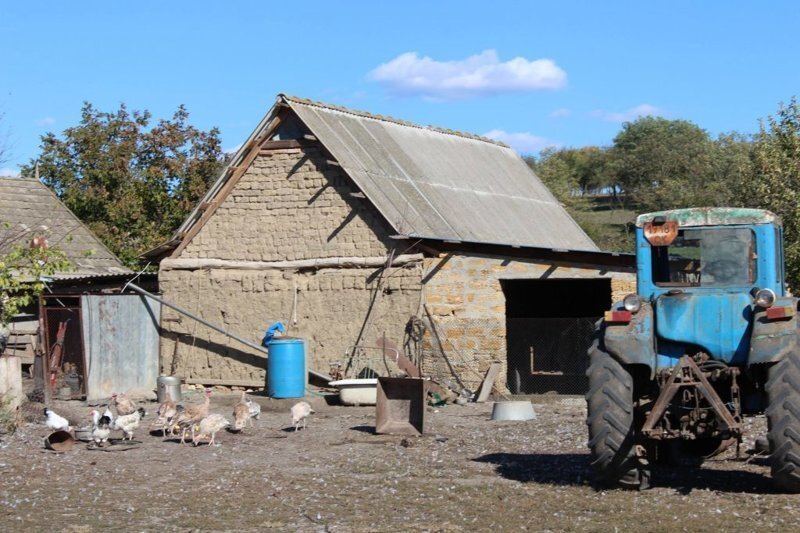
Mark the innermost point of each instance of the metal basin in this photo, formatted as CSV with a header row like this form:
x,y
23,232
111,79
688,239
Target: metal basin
x,y
513,410
59,441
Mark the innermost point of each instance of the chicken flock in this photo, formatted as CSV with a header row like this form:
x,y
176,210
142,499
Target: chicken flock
x,y
172,418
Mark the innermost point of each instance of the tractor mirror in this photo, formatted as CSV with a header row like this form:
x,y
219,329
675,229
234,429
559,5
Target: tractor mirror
x,y
661,232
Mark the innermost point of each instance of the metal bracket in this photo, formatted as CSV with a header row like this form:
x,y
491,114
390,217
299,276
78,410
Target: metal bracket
x,y
688,374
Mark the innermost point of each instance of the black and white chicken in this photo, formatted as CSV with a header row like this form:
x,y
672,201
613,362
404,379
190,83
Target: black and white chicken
x,y
101,427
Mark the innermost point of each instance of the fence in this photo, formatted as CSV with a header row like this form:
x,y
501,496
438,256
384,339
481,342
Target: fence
x,y
548,354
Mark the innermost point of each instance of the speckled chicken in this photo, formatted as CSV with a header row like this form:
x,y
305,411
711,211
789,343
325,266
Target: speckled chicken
x,y
166,413
129,423
208,427
191,415
123,404
241,414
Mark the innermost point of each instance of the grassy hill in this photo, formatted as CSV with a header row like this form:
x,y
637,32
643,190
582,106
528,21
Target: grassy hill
x,y
606,221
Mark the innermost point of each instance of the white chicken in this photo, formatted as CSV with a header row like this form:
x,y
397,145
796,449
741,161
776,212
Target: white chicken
x,y
55,421
101,427
301,411
128,423
208,427
254,408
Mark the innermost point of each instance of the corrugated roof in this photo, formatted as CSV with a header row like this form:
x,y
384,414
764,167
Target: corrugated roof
x,y
427,182
32,208
437,184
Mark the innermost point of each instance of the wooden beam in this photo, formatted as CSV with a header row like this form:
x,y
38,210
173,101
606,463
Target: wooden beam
x,y
488,383
327,262
285,143
227,382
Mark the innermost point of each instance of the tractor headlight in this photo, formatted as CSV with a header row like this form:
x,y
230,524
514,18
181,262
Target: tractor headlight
x,y
765,298
632,303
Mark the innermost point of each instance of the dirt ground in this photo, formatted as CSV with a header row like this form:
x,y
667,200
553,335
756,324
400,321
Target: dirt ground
x,y
467,473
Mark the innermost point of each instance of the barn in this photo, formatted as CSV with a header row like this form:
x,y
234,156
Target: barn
x,y
361,232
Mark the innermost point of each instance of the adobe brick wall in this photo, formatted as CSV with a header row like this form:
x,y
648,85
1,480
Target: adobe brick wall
x,y
467,304
288,205
291,205
330,307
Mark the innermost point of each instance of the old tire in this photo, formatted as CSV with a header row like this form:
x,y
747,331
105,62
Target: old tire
x,y
783,420
611,421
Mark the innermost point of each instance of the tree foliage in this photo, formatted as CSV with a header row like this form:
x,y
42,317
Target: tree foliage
x,y
21,269
662,164
775,181
130,182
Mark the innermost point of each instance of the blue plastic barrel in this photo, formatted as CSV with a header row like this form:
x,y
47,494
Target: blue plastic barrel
x,y
286,368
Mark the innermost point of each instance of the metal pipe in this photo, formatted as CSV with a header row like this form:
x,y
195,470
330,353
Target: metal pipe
x,y
216,328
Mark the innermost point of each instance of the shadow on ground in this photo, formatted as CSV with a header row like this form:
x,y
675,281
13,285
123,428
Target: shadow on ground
x,y
575,469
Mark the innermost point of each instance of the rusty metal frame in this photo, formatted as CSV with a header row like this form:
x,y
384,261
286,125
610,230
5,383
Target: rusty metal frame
x,y
688,374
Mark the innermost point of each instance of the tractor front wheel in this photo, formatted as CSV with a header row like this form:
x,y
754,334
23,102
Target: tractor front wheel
x,y
611,422
783,420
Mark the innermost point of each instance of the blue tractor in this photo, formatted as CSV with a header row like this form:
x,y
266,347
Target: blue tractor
x,y
709,337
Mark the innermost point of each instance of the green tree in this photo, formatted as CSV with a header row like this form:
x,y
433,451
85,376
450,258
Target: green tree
x,y
129,182
775,182
664,164
21,267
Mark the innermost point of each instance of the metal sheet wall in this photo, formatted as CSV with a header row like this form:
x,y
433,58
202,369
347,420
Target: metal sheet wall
x,y
121,337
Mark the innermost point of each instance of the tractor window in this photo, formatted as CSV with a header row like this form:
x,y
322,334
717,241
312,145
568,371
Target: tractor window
x,y
708,257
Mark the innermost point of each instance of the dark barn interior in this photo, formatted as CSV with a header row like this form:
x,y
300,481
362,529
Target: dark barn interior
x,y
549,327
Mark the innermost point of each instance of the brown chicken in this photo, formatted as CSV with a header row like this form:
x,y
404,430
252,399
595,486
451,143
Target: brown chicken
x,y
241,414
166,412
191,416
123,404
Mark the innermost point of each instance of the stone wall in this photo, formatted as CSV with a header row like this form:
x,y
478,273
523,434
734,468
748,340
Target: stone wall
x,y
466,302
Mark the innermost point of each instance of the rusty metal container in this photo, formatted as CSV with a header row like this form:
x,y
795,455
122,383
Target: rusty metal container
x,y
400,408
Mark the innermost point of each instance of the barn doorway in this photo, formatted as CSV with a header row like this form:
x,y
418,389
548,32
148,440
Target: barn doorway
x,y
549,327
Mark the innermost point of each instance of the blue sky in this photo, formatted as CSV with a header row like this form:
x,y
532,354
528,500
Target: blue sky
x,y
530,73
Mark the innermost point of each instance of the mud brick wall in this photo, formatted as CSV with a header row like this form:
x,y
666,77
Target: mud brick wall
x,y
468,309
329,306
288,205
291,205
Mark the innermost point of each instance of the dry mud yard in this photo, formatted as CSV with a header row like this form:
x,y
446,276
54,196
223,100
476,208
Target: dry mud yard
x,y
468,473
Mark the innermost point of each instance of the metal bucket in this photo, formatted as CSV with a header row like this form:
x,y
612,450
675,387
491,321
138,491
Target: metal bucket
x,y
169,384
513,410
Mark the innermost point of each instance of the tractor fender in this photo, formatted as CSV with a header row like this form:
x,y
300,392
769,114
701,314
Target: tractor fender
x,y
773,339
632,343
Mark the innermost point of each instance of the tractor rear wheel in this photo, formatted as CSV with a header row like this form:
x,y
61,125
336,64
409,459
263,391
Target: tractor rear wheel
x,y
611,422
783,420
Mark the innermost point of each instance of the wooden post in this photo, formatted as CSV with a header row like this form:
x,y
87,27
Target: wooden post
x,y
11,381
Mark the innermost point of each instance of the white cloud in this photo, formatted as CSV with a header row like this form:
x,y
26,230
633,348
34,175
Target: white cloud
x,y
476,75
633,113
9,172
46,121
561,112
522,142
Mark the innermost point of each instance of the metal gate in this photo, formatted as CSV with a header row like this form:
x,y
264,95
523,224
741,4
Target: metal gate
x,y
548,354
